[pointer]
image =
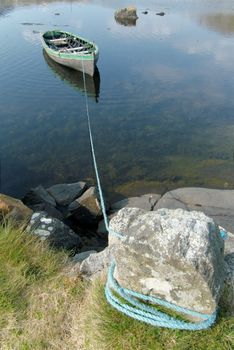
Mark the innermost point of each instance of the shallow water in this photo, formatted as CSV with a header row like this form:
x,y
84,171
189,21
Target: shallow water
x,y
161,107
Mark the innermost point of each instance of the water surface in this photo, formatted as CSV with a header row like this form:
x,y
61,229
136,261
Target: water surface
x,y
161,103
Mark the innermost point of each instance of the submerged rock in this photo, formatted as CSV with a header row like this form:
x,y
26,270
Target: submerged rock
x,y
12,208
64,194
172,254
55,231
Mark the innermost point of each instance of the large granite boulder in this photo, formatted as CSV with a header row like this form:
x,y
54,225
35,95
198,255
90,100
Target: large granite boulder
x,y
11,208
54,231
217,204
64,194
86,209
126,16
172,254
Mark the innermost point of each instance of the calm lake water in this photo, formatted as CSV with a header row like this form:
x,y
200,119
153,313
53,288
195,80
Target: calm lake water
x,y
161,106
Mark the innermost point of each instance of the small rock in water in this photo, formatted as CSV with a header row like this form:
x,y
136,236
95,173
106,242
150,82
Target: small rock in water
x,y
160,14
145,12
57,14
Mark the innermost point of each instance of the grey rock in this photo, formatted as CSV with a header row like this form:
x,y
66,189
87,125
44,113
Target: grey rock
x,y
126,16
127,12
49,209
96,264
217,204
55,231
227,298
64,194
102,227
82,256
86,209
172,254
38,195
160,14
146,202
229,243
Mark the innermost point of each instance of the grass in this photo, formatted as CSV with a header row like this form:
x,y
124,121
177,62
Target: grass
x,y
107,329
38,300
43,307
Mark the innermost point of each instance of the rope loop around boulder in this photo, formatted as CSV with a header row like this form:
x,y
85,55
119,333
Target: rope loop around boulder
x,y
133,305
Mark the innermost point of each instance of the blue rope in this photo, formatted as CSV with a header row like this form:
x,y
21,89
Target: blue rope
x,y
119,235
142,312
134,307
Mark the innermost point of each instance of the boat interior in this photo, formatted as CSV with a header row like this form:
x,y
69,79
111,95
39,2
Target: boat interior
x,y
64,42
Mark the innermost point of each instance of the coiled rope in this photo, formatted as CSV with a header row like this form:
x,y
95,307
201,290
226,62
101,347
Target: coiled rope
x,y
134,304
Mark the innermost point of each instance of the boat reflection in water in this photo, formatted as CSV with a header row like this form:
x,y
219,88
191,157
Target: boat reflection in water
x,y
75,78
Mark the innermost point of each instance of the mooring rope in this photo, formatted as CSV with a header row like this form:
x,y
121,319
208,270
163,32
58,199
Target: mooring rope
x,y
102,201
134,304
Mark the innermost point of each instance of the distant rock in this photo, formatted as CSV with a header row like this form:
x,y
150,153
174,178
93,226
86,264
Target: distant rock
x,y
146,202
217,204
160,14
144,12
172,254
55,231
38,195
86,209
64,194
126,16
14,209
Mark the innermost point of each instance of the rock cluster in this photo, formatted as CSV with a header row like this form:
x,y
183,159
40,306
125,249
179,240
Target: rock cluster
x,y
171,246
66,215
217,205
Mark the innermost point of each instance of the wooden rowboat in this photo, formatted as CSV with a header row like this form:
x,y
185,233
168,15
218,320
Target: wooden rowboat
x,y
71,50
75,78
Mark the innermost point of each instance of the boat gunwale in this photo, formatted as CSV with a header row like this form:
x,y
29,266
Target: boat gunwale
x,y
70,55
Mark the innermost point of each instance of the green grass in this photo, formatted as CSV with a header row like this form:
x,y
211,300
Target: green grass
x,y
43,306
36,296
107,329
